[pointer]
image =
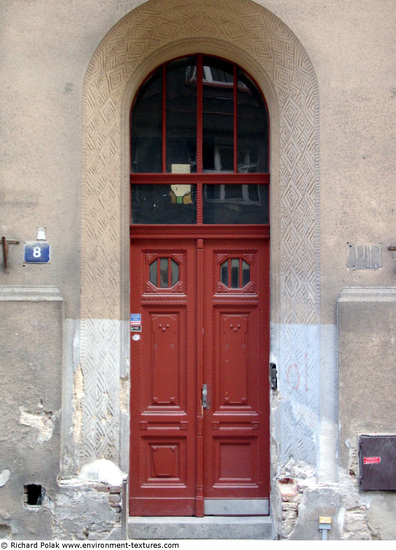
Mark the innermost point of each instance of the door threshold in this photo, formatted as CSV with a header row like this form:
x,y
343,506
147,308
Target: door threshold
x,y
236,507
208,527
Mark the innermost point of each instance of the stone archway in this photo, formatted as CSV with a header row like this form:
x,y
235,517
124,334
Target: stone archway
x,y
247,33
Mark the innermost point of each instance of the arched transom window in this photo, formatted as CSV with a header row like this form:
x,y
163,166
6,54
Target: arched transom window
x,y
199,145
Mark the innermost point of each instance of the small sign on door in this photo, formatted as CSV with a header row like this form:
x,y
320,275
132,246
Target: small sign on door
x,y
136,322
371,460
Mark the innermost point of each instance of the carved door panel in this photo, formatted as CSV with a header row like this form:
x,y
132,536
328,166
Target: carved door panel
x,y
236,420
163,385
204,307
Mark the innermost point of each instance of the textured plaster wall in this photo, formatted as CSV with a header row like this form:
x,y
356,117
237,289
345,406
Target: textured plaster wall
x,y
46,50
46,47
352,47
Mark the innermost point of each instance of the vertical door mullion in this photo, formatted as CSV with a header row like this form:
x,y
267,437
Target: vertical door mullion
x,y
235,89
199,203
164,118
199,114
199,136
199,508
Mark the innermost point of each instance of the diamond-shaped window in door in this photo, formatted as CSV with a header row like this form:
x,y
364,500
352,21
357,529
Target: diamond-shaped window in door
x,y
164,272
235,273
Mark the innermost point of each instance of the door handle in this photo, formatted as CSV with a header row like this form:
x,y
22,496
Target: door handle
x,y
204,396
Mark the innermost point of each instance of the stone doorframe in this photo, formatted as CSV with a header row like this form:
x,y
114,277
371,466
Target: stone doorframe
x,y
246,33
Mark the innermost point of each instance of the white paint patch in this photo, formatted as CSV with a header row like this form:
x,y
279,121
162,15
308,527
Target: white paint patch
x,y
42,421
306,416
328,435
124,395
98,427
296,348
103,471
78,394
4,477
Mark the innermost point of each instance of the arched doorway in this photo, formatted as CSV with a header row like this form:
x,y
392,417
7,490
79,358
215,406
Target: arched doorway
x,y
247,33
199,292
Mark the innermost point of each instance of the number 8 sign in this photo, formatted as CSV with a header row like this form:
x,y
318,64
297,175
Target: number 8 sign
x,y
36,253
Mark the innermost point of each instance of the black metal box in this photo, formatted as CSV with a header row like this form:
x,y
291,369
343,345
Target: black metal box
x,y
377,462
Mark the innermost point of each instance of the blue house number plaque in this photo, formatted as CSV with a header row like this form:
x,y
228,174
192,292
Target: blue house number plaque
x,y
37,253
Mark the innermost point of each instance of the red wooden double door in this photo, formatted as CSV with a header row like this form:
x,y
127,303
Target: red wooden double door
x,y
199,374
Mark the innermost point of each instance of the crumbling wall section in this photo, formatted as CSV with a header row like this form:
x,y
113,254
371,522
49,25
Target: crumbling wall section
x,y
92,505
302,500
31,325
366,325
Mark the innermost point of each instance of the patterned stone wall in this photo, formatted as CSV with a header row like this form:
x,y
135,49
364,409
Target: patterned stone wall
x,y
244,28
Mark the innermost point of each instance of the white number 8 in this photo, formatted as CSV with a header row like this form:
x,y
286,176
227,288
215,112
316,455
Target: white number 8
x,y
36,252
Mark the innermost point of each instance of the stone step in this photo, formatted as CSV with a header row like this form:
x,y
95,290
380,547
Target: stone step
x,y
209,527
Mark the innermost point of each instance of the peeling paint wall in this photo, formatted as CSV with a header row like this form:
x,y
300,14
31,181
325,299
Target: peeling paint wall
x,y
90,506
78,394
30,394
41,420
87,511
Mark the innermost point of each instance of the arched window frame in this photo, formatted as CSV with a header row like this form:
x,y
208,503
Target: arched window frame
x,y
201,179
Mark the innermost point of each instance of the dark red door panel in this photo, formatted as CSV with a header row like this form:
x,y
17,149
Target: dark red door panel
x,y
236,421
163,388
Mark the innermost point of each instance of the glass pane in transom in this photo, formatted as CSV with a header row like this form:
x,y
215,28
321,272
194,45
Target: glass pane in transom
x,y
146,131
218,115
181,116
235,204
164,204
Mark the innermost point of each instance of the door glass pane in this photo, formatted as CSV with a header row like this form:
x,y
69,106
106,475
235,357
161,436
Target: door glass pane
x,y
164,273
224,273
235,273
146,132
175,272
218,115
245,273
233,204
252,140
154,273
181,116
171,204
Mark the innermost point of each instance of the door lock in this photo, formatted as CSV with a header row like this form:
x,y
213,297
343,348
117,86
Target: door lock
x,y
204,396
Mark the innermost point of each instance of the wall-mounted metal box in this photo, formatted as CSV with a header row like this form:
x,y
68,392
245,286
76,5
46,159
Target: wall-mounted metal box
x,y
377,462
